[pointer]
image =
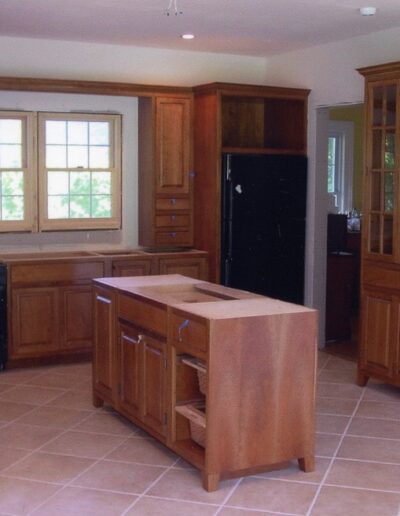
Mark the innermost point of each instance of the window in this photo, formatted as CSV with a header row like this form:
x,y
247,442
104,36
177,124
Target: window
x,y
340,164
78,159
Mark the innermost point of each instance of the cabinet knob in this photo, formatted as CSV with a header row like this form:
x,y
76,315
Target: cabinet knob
x,y
173,217
181,327
132,340
173,201
173,235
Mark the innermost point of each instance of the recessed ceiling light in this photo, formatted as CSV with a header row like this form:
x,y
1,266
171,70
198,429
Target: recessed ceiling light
x,y
368,11
187,36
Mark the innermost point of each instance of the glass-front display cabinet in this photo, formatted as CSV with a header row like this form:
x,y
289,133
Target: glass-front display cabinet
x,y
380,265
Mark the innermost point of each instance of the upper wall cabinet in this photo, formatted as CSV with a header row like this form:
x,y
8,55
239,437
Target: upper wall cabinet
x,y
233,118
165,162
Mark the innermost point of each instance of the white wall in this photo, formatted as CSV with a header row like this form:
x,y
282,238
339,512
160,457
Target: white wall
x,y
330,72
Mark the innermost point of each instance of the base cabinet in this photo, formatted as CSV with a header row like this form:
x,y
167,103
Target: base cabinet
x,y
215,387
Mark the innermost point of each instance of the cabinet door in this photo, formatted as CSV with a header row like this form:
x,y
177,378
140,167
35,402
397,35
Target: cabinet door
x,y
131,267
77,317
35,322
192,267
129,359
173,136
379,332
104,351
154,383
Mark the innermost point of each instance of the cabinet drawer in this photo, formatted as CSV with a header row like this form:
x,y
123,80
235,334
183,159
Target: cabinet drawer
x,y
172,220
188,333
142,314
52,272
175,203
381,277
174,237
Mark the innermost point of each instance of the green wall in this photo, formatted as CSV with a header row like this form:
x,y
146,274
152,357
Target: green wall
x,y
354,114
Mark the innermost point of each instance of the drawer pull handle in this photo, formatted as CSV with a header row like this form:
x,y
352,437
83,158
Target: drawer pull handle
x,y
173,217
131,340
182,326
173,235
173,201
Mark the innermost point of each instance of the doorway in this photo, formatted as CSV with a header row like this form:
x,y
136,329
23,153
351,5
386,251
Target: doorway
x,y
344,163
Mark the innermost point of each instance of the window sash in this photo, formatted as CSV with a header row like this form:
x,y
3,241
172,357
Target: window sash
x,y
47,222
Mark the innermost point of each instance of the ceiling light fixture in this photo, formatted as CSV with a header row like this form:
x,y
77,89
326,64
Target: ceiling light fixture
x,y
368,11
187,36
172,8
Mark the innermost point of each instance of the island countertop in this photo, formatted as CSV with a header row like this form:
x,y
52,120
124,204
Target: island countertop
x,y
200,297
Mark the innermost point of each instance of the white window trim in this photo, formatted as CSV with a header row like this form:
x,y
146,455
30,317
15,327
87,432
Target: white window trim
x,y
344,131
113,222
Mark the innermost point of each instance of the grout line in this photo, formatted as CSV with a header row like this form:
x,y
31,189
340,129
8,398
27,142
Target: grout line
x,y
322,483
358,488
227,497
263,511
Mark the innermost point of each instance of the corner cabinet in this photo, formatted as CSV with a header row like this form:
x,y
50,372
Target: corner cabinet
x,y
238,119
380,267
165,165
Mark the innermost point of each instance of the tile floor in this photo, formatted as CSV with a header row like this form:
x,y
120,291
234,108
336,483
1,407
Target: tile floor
x,y
60,456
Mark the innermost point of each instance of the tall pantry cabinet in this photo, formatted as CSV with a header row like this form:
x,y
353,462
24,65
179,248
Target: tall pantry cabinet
x,y
380,268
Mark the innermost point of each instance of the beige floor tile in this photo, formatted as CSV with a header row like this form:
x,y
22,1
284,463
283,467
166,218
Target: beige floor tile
x,y
83,444
4,387
370,449
293,472
21,496
54,417
375,428
273,495
341,364
186,485
119,476
73,400
366,475
107,423
183,464
335,406
379,410
75,501
326,444
48,467
9,456
15,376
337,376
339,390
144,451
230,511
31,394
153,506
82,369
84,384
331,424
28,437
336,501
61,381
10,410
381,392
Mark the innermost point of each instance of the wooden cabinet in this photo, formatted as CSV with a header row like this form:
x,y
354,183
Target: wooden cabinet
x,y
210,372
165,164
131,267
380,258
51,308
232,118
194,265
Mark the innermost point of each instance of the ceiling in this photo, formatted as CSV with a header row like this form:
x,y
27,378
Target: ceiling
x,y
248,27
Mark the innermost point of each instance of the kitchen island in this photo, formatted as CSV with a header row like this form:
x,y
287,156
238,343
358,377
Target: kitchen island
x,y
225,378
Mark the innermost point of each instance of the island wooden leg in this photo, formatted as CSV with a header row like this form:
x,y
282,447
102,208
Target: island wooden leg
x,y
362,379
97,401
210,481
307,464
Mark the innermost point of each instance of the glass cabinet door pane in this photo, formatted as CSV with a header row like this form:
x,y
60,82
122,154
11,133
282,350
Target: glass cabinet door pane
x,y
389,150
377,149
391,105
374,233
377,94
389,192
375,191
388,235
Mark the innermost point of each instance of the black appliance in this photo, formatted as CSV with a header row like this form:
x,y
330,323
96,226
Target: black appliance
x,y
263,224
337,233
3,316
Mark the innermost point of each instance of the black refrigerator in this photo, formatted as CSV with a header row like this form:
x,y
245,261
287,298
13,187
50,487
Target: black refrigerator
x,y
263,224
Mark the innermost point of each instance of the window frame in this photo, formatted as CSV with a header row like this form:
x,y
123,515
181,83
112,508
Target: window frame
x,y
29,169
113,222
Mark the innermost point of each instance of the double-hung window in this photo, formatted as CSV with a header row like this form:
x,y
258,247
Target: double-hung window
x,y
60,171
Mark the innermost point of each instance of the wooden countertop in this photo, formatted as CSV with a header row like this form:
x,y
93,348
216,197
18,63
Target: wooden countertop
x,y
200,298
